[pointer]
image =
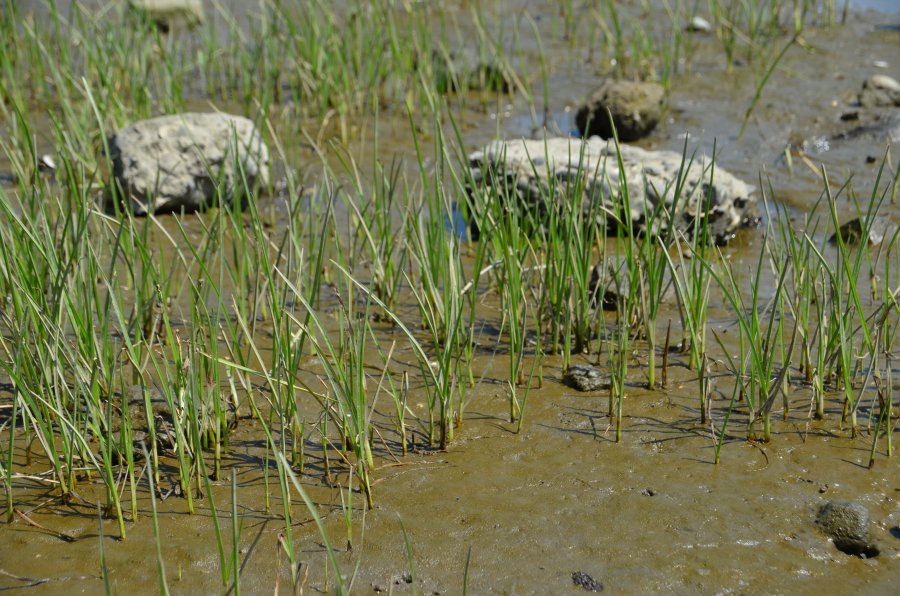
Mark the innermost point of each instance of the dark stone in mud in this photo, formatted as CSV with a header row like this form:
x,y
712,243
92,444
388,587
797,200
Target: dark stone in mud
x,y
635,108
880,125
531,168
880,91
465,71
583,580
608,286
162,419
602,288
46,165
847,524
170,13
852,233
585,378
159,416
187,161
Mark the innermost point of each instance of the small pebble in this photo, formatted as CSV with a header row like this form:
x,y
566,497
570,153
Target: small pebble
x,y
46,163
879,64
648,492
699,25
585,378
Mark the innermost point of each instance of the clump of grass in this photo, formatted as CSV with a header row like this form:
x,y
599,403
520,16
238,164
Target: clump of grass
x,y
345,370
759,324
570,242
438,290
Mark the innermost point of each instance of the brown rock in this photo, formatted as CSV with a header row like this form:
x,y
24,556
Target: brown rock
x,y
635,108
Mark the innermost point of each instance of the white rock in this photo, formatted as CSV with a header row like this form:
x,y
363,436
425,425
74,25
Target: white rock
x,y
174,163
46,163
884,82
699,24
170,12
528,167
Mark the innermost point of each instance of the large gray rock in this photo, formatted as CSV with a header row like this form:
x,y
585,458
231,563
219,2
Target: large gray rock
x,y
635,109
170,13
530,168
880,91
175,163
847,524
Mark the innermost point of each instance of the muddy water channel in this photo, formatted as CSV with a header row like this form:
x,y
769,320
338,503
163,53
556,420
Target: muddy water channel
x,y
556,504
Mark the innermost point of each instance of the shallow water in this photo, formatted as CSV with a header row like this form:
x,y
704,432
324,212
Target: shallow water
x,y
885,6
651,514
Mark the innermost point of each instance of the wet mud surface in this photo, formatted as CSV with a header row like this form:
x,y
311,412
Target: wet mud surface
x,y
650,514
561,500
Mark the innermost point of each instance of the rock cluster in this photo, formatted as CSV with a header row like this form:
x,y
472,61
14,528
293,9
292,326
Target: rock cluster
x,y
880,91
873,116
187,162
683,191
